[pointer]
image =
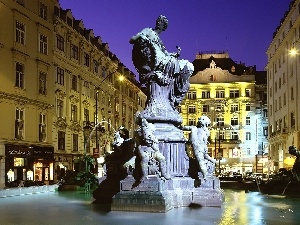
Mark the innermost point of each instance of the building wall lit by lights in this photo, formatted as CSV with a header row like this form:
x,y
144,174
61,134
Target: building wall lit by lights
x,y
52,71
283,85
233,96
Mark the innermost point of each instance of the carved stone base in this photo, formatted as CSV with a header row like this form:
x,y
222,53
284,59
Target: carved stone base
x,y
156,195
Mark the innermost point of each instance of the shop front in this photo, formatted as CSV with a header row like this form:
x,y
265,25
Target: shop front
x,y
33,163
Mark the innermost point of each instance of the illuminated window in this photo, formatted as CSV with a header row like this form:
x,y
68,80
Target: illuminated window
x,y
18,161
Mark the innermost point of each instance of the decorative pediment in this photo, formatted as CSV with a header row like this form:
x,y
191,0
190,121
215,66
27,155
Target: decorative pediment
x,y
60,94
75,127
74,99
86,104
61,123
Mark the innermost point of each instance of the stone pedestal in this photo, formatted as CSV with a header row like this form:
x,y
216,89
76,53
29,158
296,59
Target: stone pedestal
x,y
156,195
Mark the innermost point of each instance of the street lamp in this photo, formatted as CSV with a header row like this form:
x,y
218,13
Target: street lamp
x,y
90,127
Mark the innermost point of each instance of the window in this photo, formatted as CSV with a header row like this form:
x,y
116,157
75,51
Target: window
x,y
60,76
19,124
192,109
248,107
61,140
284,98
42,83
205,94
234,121
279,83
221,134
234,135
74,52
43,11
59,108
86,59
74,112
248,136
234,107
42,128
179,108
220,108
109,103
117,105
275,86
220,94
293,121
292,93
192,95
60,42
75,142
74,82
205,108
279,102
123,109
86,88
248,93
86,115
103,71
220,121
265,131
19,161
43,44
19,75
234,93
96,66
20,33
265,113
192,122
248,120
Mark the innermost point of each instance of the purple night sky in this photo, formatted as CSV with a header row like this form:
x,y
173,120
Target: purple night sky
x,y
244,28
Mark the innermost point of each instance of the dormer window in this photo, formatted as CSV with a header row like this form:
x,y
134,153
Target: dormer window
x,y
232,69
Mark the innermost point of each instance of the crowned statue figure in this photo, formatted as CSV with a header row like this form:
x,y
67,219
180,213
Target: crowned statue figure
x,y
164,74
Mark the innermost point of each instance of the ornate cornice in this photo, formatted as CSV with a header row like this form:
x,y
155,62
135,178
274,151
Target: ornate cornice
x,y
86,103
21,100
74,99
75,127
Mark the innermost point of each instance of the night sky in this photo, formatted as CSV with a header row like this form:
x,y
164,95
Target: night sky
x,y
242,27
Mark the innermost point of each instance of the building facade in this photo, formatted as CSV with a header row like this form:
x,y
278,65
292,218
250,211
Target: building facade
x,y
283,95
230,95
57,82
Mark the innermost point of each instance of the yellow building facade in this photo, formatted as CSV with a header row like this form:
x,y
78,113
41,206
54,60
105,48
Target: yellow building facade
x,y
57,82
230,95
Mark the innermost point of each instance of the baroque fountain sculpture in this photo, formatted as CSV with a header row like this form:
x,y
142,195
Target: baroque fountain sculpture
x,y
166,165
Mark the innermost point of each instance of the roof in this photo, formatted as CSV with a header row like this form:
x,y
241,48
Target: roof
x,y
223,63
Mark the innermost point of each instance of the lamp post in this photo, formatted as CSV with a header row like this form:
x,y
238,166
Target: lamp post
x,y
86,134
89,128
